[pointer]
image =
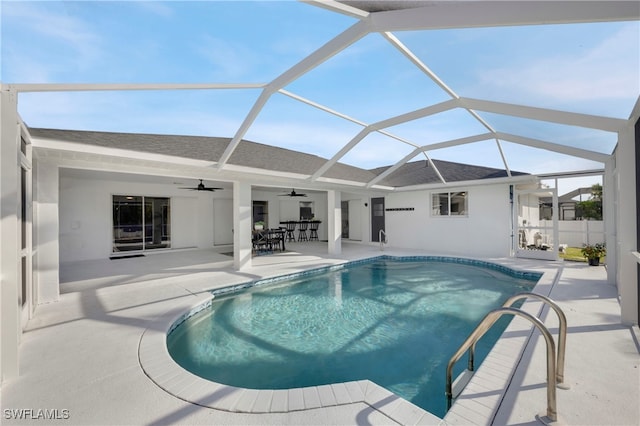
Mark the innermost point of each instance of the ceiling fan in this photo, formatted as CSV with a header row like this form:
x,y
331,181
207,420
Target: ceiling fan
x,y
293,193
201,187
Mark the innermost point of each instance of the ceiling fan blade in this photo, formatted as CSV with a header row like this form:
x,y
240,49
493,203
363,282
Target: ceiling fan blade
x,y
293,193
201,187
212,189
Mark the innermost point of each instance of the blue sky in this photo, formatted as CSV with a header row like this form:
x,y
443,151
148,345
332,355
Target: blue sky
x,y
586,68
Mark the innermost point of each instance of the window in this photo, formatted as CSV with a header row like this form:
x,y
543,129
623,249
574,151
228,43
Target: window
x,y
306,210
449,204
378,210
140,223
261,214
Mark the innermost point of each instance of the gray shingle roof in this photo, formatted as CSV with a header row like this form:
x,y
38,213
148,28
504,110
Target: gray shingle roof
x,y
261,156
247,153
419,172
195,147
268,157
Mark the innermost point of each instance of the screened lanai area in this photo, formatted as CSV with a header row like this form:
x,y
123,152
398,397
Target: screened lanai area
x,y
437,126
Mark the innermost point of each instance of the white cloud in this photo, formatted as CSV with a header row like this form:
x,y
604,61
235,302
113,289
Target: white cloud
x,y
532,160
292,46
610,70
122,112
24,67
159,8
377,152
309,137
78,46
228,60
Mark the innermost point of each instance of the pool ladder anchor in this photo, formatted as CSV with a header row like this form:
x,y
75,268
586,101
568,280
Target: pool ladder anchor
x,y
382,241
555,368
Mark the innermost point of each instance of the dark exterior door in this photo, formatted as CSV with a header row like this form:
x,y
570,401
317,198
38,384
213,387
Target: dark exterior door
x,y
377,218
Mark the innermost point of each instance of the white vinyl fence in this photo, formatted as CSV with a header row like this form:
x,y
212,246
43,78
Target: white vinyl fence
x,y
576,233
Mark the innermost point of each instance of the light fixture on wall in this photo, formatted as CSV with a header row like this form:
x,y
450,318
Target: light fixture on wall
x,y
366,204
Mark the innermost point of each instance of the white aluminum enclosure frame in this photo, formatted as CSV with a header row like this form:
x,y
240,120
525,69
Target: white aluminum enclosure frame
x,y
620,168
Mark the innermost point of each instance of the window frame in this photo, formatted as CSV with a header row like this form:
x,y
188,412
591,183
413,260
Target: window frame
x,y
147,221
449,196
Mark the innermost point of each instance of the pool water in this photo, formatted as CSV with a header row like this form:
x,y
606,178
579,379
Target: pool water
x,y
394,322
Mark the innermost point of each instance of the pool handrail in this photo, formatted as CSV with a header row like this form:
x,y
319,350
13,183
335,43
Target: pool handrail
x,y
562,333
562,329
484,326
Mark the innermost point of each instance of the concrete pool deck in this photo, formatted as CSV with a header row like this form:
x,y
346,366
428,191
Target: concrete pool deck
x,y
81,355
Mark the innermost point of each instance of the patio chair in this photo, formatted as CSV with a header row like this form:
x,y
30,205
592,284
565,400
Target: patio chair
x,y
261,243
275,237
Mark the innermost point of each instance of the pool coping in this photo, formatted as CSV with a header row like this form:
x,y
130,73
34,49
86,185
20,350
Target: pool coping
x,y
159,366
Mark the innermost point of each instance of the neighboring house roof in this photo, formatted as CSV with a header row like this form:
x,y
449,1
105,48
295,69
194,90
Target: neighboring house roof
x,y
420,172
586,192
261,156
569,196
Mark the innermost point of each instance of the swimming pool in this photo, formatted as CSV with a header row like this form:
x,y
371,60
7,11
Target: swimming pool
x,y
395,322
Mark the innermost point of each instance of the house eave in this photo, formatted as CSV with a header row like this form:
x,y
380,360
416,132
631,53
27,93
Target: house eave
x,y
467,183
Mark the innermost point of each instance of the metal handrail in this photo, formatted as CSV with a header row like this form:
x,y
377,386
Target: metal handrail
x,y
382,242
562,328
484,326
562,334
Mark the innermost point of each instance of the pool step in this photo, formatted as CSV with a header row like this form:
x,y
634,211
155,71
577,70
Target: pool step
x,y
461,382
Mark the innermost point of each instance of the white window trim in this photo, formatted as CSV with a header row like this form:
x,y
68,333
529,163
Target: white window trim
x,y
449,194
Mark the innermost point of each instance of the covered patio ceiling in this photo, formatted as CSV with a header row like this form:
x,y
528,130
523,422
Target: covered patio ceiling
x,y
495,108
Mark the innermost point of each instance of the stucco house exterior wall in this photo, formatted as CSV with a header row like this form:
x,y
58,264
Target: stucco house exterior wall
x,y
86,224
85,209
484,231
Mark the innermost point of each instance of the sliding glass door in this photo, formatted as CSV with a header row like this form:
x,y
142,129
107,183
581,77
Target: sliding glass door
x,y
140,223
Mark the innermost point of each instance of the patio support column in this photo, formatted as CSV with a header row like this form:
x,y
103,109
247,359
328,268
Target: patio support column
x,y
334,227
10,325
609,203
627,279
47,231
241,225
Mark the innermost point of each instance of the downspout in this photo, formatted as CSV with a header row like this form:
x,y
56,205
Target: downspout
x,y
512,249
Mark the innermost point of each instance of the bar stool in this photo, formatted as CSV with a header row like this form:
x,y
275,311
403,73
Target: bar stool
x,y
291,227
302,231
313,230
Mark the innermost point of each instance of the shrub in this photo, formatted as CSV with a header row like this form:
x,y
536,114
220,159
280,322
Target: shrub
x,y
594,251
